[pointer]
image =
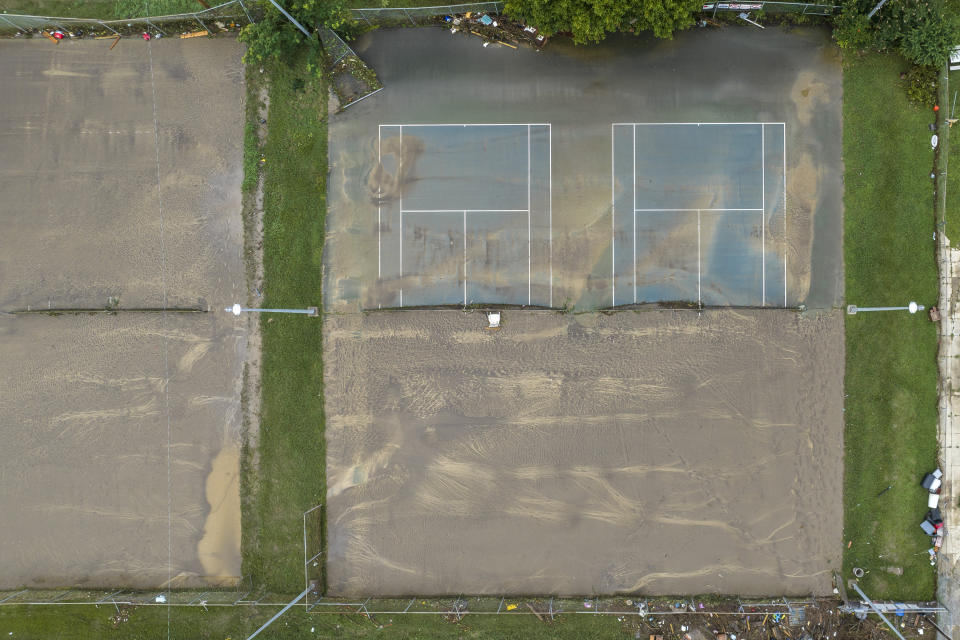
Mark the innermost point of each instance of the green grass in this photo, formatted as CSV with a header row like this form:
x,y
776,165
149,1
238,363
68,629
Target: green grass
x,y
85,622
290,457
953,165
891,370
102,9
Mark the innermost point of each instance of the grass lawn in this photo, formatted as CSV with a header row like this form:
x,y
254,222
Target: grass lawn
x,y
103,9
953,165
84,622
288,475
891,369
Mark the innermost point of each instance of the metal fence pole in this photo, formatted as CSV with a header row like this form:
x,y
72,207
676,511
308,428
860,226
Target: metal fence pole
x,y
409,18
13,23
197,18
154,26
104,24
249,19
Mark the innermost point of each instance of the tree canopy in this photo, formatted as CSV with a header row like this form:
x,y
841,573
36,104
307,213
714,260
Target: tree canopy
x,y
591,20
275,36
924,31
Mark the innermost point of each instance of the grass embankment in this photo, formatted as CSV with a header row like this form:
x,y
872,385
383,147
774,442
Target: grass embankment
x,y
102,9
85,622
891,368
953,163
288,477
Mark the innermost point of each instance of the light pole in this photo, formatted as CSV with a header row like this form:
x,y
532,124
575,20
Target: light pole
x,y
236,310
913,307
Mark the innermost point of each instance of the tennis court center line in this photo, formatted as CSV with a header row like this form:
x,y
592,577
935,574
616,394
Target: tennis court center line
x,y
550,205
613,219
400,189
699,294
763,217
784,214
634,214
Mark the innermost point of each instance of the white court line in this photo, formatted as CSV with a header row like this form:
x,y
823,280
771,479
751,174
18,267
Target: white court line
x,y
550,195
763,217
699,294
634,214
658,210
166,339
379,194
401,218
784,215
529,271
473,124
467,210
690,124
464,258
613,221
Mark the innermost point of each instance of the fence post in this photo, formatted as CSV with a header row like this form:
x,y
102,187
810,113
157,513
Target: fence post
x,y
154,26
104,24
409,18
14,24
197,18
249,19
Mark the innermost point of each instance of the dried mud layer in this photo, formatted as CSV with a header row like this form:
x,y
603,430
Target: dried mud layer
x,y
119,434
661,452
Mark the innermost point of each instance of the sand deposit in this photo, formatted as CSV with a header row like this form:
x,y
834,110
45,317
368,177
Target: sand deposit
x,y
120,433
661,452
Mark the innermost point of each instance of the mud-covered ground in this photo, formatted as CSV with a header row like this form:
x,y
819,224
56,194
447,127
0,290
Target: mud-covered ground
x,y
119,433
661,452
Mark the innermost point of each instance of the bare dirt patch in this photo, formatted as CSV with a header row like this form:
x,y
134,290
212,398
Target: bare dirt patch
x,y
120,432
660,452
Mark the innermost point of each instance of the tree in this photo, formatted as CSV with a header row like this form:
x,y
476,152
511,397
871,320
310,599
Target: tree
x,y
924,31
591,20
275,36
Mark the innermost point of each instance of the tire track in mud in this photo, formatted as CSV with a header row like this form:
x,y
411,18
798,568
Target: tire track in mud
x,y
655,451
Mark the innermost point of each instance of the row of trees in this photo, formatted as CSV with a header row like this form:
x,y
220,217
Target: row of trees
x,y
924,31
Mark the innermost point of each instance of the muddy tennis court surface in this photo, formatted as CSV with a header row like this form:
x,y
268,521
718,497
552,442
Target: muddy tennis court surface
x,y
702,171
658,452
120,442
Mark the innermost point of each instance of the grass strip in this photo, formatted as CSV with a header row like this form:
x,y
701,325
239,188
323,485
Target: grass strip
x,y
101,9
953,162
288,474
891,369
86,621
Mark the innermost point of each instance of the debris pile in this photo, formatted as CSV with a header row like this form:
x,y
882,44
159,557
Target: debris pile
x,y
932,524
495,29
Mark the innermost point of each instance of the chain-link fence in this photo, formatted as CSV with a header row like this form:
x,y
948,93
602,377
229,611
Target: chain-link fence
x,y
458,606
803,8
223,17
352,79
412,16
